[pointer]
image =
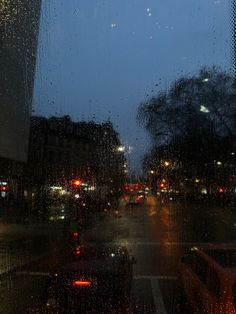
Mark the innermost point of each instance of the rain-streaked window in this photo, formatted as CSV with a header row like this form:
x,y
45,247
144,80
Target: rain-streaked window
x,y
117,156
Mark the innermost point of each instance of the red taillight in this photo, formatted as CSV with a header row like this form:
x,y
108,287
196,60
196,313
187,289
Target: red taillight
x,y
77,250
82,283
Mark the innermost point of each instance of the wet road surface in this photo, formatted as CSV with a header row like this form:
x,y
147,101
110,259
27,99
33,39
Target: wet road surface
x,y
157,236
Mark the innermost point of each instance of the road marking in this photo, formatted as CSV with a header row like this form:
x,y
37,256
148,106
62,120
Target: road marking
x,y
157,297
137,277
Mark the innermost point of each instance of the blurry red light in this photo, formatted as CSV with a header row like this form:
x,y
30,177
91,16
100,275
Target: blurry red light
x,y
221,190
75,234
77,182
77,250
82,283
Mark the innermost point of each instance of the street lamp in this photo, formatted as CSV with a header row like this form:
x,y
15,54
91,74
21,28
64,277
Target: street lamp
x,y
121,149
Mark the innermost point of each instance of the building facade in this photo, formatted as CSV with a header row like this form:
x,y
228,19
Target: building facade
x,y
19,27
61,151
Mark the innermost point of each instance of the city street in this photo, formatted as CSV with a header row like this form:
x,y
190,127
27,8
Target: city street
x,y
156,235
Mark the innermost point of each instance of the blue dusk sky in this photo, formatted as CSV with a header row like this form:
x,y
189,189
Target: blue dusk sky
x,y
99,59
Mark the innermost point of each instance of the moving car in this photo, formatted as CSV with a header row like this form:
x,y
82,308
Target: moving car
x,y
97,279
134,198
208,277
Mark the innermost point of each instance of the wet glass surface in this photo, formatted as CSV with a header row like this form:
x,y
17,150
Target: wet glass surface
x,y
117,156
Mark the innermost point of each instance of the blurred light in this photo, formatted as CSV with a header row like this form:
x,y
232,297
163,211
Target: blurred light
x,y
120,148
204,191
77,250
91,188
197,180
166,163
219,163
54,187
62,192
82,283
152,171
204,109
112,254
77,182
75,234
77,196
205,80
221,190
232,153
129,149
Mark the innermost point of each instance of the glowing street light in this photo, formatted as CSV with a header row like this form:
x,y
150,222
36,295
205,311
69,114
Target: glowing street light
x,y
121,149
